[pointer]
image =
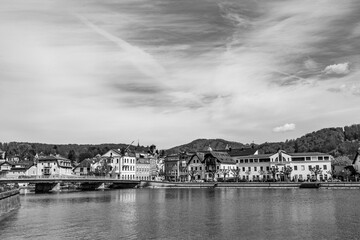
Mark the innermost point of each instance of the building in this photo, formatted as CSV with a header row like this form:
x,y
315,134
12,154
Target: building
x,y
282,166
196,166
143,169
123,165
5,167
84,168
23,169
356,161
218,166
54,166
175,166
2,156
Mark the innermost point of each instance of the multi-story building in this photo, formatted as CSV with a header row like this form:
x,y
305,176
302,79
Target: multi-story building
x,y
84,168
175,166
267,166
53,166
196,166
218,165
123,165
143,169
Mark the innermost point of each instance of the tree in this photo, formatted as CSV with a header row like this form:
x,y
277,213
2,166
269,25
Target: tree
x,y
262,173
225,172
346,173
316,171
192,174
248,172
72,156
341,161
287,172
332,173
273,171
236,173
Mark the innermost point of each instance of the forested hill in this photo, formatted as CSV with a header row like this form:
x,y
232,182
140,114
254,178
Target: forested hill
x,y
335,141
74,152
203,144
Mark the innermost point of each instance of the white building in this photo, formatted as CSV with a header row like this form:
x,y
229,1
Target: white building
x,y
123,166
259,166
54,166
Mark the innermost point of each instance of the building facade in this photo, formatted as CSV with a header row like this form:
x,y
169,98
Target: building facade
x,y
282,165
53,166
123,165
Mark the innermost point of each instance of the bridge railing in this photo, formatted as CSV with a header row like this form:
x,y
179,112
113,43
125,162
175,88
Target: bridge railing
x,y
55,176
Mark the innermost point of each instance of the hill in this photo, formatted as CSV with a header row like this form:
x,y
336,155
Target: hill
x,y
203,144
335,141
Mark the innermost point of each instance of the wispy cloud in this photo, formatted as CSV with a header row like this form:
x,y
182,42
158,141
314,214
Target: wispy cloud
x,y
224,69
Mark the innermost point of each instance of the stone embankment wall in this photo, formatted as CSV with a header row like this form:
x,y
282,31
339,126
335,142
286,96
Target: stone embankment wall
x,y
9,200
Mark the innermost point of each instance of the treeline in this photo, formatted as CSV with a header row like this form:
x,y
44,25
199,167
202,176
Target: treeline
x,y
74,152
335,141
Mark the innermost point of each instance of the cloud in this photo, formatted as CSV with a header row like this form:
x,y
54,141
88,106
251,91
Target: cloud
x,y
143,61
352,88
285,128
337,69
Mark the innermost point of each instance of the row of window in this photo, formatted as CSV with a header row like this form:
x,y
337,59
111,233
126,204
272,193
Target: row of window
x,y
295,168
142,169
256,160
128,177
127,168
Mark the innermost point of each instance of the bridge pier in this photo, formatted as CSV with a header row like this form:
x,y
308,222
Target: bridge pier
x,y
45,187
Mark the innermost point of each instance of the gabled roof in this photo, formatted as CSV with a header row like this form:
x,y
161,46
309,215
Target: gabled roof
x,y
221,157
9,163
242,152
84,163
356,156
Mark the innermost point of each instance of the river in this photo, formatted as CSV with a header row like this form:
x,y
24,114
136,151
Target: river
x,y
187,214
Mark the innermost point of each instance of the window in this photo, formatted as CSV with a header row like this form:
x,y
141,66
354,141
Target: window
x,y
261,168
325,168
326,158
255,168
200,168
320,158
246,160
307,158
267,168
251,160
309,167
243,169
295,168
249,168
241,160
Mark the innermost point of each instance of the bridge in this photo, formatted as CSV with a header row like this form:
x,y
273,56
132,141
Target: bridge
x,y
45,184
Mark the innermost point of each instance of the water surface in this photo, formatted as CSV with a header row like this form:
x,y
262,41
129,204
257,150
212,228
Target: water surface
x,y
187,214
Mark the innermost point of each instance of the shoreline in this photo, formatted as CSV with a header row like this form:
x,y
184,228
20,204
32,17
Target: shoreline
x,y
270,185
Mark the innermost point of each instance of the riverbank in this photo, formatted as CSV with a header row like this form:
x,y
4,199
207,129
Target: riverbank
x,y
275,185
9,201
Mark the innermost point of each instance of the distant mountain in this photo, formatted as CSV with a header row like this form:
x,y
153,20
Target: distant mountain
x,y
335,141
203,144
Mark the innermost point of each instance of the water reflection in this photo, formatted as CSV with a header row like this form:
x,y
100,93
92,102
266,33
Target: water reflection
x,y
187,214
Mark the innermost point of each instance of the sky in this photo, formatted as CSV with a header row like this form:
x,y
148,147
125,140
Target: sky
x,y
167,72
